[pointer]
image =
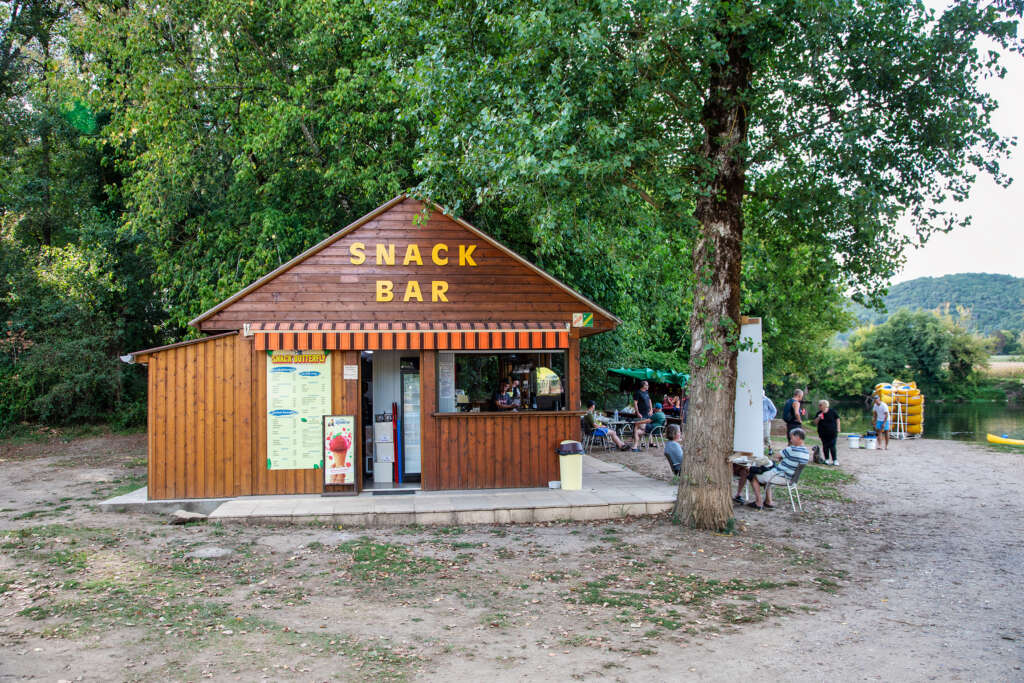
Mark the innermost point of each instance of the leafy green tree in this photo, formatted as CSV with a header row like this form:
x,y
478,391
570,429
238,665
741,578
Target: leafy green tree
x,y
74,294
1004,342
939,355
247,132
840,373
840,116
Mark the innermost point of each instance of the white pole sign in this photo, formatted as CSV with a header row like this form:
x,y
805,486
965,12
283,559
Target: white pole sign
x,y
748,433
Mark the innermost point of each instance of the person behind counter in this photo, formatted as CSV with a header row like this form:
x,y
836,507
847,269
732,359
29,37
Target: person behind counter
x,y
502,398
515,393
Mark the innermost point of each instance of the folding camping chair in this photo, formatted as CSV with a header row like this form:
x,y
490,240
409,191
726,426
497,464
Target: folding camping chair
x,y
791,487
655,437
590,437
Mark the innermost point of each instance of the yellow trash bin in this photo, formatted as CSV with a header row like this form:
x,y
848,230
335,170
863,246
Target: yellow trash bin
x,y
570,465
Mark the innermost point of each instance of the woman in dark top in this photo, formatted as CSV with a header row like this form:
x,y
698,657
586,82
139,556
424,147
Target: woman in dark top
x,y
828,430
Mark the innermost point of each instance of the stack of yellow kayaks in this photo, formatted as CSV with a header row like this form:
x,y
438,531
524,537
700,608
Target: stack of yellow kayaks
x,y
906,407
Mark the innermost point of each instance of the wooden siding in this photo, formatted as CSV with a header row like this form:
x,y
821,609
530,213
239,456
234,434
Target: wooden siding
x,y
326,286
497,450
208,425
429,473
208,428
573,390
199,420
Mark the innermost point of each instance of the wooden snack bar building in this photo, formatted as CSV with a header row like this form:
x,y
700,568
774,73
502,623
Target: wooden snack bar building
x,y
403,325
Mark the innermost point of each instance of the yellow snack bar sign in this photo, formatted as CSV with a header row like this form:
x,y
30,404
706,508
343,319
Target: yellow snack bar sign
x,y
385,254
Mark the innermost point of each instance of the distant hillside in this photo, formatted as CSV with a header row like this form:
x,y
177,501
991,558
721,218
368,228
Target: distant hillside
x,y
985,302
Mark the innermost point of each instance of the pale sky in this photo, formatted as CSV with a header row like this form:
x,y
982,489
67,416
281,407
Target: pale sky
x,y
994,242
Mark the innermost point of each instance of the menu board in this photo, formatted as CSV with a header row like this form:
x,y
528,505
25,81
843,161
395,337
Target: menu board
x,y
298,396
446,382
339,449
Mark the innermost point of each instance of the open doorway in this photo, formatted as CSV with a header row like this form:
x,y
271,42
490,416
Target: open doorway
x,y
391,410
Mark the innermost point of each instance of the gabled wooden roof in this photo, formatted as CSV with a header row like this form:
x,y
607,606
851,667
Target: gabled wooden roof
x,y
214,318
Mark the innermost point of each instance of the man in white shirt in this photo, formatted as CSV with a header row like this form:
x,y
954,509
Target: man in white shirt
x,y
881,412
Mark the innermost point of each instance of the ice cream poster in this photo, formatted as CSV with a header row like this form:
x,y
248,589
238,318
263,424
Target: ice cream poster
x,y
339,449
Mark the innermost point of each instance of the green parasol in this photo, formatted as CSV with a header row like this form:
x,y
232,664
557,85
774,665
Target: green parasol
x,y
659,376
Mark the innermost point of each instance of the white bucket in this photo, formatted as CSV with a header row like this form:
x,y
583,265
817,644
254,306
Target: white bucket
x,y
871,443
854,441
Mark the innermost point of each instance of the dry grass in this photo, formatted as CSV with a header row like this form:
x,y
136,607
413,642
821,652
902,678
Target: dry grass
x,y
1005,369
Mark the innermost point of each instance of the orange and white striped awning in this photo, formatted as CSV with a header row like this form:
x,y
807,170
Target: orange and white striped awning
x,y
401,336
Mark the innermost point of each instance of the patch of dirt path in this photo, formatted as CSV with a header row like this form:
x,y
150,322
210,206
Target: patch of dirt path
x,y
911,572
933,546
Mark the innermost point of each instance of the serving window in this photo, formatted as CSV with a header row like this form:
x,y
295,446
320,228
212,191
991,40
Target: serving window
x,y
501,382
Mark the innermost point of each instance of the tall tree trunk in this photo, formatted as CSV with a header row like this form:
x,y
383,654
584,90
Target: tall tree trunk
x,y
705,481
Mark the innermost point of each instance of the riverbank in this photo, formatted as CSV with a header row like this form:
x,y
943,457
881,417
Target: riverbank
x,y
881,555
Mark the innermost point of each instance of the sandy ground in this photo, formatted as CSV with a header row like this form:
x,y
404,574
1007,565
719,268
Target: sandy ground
x,y
897,574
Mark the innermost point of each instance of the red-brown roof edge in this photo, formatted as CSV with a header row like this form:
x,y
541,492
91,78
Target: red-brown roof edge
x,y
133,356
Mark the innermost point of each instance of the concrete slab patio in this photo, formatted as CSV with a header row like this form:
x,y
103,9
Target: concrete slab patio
x,y
609,491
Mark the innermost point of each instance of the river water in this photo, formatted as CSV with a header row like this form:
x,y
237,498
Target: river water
x,y
957,421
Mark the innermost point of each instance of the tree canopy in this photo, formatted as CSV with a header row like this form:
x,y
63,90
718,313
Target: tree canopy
x,y
817,124
982,302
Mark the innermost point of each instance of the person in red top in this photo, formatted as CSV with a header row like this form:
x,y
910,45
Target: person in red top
x,y
670,405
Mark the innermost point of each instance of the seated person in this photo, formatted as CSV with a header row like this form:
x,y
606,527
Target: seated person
x,y
502,398
742,473
647,425
673,448
670,405
593,424
793,456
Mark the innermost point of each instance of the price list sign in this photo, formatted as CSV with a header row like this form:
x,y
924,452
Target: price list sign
x,y
298,395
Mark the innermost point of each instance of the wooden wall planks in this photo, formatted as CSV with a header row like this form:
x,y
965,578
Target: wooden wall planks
x,y
208,429
476,451
428,406
192,421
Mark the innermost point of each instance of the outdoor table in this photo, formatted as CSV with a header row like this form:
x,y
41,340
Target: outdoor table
x,y
745,461
617,425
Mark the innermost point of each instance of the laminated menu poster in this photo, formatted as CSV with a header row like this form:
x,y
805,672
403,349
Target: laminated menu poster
x,y
339,450
298,396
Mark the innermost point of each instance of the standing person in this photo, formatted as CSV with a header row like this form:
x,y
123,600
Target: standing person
x,y
881,412
827,420
642,402
515,392
768,413
792,412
